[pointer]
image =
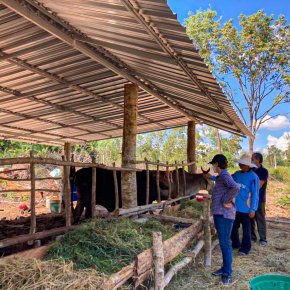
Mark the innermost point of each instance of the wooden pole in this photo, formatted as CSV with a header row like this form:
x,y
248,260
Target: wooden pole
x,y
32,199
207,233
184,180
158,260
169,181
94,185
177,179
67,192
147,182
128,179
116,188
158,183
191,146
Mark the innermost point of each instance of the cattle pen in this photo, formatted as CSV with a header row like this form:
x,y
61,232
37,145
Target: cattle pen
x,y
141,268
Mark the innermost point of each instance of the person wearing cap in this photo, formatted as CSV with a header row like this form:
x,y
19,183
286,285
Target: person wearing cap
x,y
223,210
246,203
260,217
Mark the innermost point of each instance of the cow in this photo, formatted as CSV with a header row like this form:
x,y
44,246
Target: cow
x,y
105,191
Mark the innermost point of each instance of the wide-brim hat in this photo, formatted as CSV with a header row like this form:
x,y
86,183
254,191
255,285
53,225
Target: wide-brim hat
x,y
246,160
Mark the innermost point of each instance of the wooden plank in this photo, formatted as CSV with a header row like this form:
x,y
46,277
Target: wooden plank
x,y
32,196
67,192
28,179
94,186
35,236
147,181
165,164
184,179
169,181
207,233
158,182
117,201
168,218
177,179
158,260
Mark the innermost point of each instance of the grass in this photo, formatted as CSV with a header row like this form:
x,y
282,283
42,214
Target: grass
x,y
283,201
108,246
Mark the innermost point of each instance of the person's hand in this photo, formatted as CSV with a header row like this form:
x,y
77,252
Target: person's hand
x,y
228,204
207,176
252,214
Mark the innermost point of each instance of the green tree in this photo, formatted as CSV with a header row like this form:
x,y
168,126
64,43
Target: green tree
x,y
253,57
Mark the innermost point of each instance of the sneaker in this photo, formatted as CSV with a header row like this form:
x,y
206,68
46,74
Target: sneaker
x,y
242,253
263,243
218,273
226,280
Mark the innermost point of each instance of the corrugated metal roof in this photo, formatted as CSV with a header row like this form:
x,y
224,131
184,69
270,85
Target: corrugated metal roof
x,y
64,65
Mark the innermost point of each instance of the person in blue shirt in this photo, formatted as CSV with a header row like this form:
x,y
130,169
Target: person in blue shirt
x,y
246,204
260,216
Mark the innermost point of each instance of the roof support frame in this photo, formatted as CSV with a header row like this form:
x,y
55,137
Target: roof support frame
x,y
99,54
164,44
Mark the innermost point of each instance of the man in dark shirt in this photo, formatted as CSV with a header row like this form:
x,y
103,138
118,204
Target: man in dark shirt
x,y
260,217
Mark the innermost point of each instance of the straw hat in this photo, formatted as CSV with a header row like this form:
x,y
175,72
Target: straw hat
x,y
246,160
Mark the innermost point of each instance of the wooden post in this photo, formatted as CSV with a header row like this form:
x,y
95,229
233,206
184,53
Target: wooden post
x,y
158,182
32,199
128,179
147,182
177,180
207,233
94,185
67,192
158,259
116,188
191,146
169,181
184,180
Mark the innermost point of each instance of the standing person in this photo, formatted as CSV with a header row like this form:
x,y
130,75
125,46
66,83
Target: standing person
x,y
246,203
223,210
260,217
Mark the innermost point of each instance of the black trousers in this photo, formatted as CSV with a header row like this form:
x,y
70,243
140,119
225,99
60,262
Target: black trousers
x,y
244,220
260,220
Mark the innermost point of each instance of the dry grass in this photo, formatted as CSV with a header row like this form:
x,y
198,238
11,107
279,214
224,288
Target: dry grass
x,y
28,274
275,258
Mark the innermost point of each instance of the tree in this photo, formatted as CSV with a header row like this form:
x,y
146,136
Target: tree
x,y
253,58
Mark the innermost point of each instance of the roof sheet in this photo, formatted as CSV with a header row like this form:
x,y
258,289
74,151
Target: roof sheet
x,y
64,65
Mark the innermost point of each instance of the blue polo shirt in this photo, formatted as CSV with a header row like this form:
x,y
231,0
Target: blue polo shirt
x,y
263,174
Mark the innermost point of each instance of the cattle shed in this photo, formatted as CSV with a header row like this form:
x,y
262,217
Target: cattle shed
x,y
76,71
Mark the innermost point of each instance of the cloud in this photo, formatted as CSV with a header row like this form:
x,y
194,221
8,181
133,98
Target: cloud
x,y
278,123
281,143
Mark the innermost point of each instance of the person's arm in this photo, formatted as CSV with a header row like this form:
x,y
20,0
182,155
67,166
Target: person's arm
x,y
254,200
263,177
233,189
262,182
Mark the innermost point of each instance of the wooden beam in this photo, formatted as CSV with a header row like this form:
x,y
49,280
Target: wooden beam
x,y
94,188
158,260
67,191
128,179
32,198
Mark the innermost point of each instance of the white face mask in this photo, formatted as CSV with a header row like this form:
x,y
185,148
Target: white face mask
x,y
215,168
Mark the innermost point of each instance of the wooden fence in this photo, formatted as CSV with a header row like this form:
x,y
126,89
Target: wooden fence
x,y
65,164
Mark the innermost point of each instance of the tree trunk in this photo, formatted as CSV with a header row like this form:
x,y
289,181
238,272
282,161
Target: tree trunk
x,y
219,143
191,146
251,145
128,180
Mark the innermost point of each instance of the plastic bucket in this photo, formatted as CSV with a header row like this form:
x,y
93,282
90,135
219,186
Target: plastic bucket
x,y
270,282
55,206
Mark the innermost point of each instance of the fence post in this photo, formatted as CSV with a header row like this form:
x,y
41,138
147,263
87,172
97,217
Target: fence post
x,y
67,192
169,181
147,181
184,180
32,197
116,188
177,179
94,185
158,182
206,229
158,260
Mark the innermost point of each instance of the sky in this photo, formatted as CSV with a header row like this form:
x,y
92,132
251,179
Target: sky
x,y
274,131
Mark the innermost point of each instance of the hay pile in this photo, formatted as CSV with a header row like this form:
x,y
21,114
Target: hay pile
x,y
31,274
107,246
188,209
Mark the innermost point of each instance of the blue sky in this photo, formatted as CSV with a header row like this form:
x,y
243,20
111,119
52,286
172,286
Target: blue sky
x,y
274,132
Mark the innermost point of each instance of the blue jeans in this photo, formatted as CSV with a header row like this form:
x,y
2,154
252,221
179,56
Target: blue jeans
x,y
224,228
